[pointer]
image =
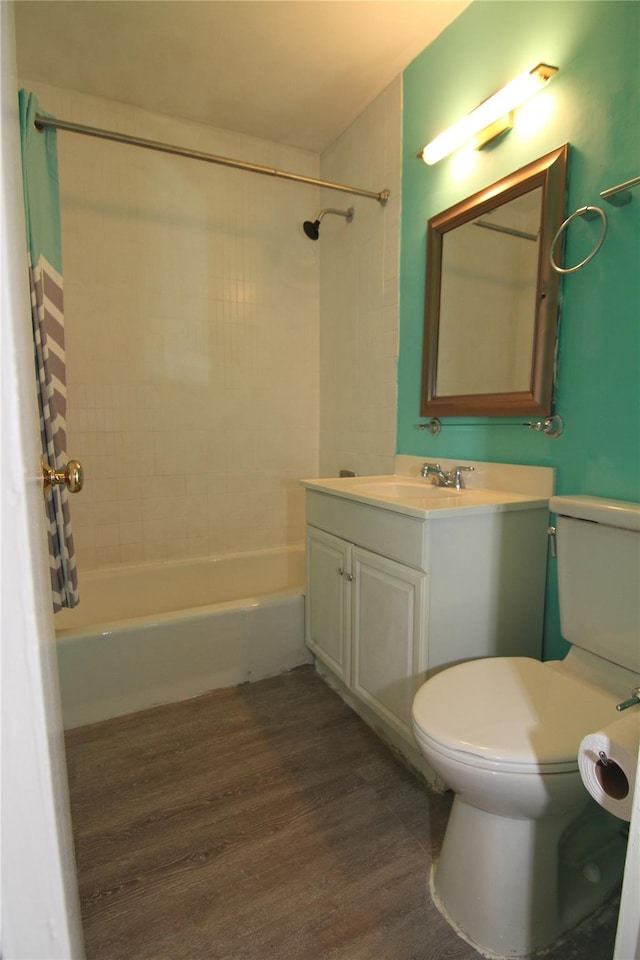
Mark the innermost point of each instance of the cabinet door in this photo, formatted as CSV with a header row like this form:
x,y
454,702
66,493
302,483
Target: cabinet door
x,y
328,601
388,635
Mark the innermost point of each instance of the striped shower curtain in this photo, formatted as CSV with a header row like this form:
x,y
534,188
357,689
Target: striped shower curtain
x,y
42,212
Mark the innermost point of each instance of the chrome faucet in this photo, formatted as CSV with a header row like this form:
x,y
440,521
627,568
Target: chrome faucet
x,y
435,470
452,478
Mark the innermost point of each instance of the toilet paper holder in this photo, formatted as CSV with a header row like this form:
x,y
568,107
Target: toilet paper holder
x,y
632,701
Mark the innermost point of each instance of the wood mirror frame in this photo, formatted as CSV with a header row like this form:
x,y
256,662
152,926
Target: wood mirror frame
x,y
549,174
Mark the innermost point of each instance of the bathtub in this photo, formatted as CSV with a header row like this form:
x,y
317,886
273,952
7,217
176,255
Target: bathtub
x,y
158,633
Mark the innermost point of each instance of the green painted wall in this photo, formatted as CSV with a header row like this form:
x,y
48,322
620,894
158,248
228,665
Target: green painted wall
x,y
595,107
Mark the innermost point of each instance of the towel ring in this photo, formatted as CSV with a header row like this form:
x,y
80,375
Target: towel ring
x,y
589,213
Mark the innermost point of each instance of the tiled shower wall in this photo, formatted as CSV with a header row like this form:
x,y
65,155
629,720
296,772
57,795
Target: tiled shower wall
x,y
359,267
201,382
191,300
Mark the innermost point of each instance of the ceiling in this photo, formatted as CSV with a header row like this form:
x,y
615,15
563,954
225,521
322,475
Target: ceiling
x,y
296,72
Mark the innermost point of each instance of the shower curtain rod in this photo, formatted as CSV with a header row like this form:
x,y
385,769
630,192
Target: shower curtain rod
x,y
56,124
511,231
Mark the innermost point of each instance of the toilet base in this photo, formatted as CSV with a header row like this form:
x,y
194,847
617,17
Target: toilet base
x,y
511,887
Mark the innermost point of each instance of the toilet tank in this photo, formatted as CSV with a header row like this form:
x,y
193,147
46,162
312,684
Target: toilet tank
x,y
599,576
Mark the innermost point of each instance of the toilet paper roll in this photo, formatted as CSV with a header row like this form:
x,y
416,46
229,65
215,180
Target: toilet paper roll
x,y
608,761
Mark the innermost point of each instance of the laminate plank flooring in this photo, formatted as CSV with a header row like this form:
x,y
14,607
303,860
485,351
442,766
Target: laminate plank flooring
x,y
263,822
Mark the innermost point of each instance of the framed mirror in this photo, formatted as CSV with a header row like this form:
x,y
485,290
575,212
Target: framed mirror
x,y
491,302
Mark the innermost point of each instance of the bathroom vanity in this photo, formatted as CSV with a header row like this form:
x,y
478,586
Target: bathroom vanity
x,y
405,578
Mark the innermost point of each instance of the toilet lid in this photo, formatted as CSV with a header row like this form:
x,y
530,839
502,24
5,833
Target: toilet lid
x,y
511,711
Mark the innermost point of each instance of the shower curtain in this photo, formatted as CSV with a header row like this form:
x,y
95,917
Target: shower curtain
x,y
42,213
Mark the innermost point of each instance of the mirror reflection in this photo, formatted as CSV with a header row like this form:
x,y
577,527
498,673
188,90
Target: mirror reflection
x,y
491,300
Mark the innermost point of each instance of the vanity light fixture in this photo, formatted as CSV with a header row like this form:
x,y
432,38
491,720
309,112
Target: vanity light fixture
x,y
491,117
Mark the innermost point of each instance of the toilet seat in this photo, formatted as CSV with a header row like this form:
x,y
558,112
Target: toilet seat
x,y
510,713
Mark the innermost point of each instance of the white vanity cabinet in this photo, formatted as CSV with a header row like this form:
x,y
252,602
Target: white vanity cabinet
x,y
328,601
387,631
365,621
395,594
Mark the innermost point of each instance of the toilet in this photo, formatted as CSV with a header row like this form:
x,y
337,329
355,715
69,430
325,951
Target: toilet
x,y
527,853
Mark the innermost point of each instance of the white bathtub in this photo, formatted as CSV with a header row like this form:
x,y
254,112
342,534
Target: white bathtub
x,y
157,633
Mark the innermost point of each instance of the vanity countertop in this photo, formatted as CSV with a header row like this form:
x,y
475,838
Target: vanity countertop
x,y
419,498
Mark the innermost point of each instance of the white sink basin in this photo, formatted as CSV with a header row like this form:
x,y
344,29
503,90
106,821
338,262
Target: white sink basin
x,y
405,490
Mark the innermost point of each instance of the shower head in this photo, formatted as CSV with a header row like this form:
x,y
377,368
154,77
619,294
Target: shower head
x,y
312,229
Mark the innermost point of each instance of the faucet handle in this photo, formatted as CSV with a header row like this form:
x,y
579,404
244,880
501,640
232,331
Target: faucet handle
x,y
457,476
428,468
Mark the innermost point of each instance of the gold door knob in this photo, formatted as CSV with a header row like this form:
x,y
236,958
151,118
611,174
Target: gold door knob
x,y
72,476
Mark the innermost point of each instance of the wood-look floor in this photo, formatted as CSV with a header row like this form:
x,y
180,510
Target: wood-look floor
x,y
264,822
